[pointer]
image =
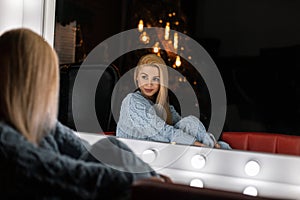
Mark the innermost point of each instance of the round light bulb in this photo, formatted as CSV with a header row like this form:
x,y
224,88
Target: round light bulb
x,y
196,183
252,168
198,161
149,155
250,190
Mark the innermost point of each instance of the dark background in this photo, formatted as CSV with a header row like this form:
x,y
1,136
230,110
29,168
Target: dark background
x,y
254,43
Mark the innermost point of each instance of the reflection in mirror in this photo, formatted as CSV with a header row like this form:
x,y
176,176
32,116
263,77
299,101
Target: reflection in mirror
x,y
257,56
147,114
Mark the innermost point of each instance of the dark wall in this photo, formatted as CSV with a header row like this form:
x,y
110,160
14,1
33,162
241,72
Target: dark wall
x,y
256,46
245,26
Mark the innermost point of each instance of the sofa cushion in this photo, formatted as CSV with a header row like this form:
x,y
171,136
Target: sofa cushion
x,y
263,142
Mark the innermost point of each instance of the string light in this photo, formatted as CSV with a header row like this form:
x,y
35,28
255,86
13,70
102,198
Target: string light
x,y
141,26
167,31
156,47
144,38
178,61
172,43
175,41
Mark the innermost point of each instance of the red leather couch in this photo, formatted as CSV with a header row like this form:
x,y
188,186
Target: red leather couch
x,y
263,142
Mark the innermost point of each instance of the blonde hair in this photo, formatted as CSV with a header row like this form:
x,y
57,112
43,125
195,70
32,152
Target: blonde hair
x,y
29,83
162,96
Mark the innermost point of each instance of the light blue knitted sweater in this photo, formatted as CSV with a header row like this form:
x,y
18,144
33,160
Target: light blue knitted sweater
x,y
138,120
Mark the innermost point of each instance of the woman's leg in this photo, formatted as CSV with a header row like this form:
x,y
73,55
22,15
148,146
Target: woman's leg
x,y
194,127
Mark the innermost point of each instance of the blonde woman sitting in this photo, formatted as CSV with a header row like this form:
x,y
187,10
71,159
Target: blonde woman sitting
x,y
40,158
147,115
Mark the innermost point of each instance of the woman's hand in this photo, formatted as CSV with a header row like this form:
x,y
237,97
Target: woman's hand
x,y
165,178
199,144
217,145
161,178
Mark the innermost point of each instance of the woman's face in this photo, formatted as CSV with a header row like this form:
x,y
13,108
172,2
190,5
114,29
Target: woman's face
x,y
148,80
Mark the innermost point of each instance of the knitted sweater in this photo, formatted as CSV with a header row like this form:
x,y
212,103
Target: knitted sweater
x,y
62,168
138,120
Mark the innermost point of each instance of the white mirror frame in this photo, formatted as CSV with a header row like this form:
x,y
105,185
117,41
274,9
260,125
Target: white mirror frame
x,y
37,15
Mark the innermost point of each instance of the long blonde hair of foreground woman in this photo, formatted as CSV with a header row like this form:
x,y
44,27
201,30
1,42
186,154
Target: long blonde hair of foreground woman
x,y
29,83
162,96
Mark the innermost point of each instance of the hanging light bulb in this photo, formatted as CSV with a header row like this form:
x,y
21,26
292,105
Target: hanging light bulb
x,y
178,62
141,26
156,47
144,38
167,31
175,41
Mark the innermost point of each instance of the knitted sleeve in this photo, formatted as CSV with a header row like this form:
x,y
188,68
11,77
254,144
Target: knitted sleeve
x,y
175,116
31,171
68,142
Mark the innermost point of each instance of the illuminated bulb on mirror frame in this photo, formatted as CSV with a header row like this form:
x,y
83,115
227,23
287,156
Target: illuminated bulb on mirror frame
x,y
197,183
149,155
198,161
141,26
251,191
178,61
252,168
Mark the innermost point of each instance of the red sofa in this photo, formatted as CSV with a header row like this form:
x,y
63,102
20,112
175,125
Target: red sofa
x,y
263,142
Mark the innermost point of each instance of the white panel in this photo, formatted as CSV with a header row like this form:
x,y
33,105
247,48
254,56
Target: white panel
x,y
33,15
11,14
49,21
37,15
278,176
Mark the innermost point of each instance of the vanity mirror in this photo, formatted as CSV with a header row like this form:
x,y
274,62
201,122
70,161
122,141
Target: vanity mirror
x,y
253,44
